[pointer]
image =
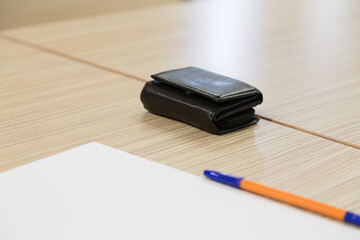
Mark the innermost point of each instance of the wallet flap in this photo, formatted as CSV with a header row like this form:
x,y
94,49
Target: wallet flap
x,y
213,86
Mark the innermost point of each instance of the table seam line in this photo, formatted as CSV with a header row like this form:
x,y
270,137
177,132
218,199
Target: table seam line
x,y
309,132
107,69
69,57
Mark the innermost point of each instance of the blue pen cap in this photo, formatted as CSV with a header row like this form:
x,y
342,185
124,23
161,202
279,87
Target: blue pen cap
x,y
223,178
352,218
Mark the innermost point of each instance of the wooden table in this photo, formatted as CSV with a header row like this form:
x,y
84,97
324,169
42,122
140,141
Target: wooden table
x,y
304,55
67,83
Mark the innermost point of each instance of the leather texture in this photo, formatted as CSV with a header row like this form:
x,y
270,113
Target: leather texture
x,y
207,100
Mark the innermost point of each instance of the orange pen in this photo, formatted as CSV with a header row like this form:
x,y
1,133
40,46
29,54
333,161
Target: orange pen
x,y
288,198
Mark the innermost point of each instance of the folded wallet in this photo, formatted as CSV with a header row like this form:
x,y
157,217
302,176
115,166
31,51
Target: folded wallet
x,y
206,100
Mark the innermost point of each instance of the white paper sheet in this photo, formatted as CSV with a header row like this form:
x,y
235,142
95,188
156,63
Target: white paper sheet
x,y
97,192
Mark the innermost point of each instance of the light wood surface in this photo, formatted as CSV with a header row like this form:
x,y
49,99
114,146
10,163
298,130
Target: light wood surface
x,y
16,13
303,55
49,104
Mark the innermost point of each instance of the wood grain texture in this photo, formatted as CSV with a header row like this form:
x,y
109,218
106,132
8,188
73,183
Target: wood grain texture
x,y
303,55
49,104
15,13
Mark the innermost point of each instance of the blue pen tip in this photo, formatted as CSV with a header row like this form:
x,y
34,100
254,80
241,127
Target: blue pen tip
x,y
223,178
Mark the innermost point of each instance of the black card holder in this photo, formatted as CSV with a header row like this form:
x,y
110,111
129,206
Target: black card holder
x,y
207,100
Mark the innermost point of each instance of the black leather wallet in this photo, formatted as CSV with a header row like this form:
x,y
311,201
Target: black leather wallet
x,y
207,100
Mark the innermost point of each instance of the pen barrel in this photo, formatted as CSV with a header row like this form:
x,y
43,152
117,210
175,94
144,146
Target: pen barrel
x,y
298,201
